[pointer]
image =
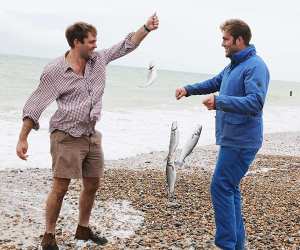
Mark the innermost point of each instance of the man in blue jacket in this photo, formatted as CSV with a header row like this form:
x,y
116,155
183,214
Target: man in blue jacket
x,y
242,87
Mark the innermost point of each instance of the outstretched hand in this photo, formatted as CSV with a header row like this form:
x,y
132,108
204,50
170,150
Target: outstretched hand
x,y
180,92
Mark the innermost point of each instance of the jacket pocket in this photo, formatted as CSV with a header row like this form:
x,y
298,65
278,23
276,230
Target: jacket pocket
x,y
235,119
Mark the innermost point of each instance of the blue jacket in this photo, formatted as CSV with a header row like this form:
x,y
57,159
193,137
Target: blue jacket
x,y
242,87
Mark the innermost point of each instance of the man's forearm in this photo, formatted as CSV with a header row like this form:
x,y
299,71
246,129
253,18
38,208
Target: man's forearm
x,y
139,35
26,128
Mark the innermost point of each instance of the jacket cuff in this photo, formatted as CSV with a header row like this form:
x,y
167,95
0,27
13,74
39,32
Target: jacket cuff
x,y
188,90
217,102
220,103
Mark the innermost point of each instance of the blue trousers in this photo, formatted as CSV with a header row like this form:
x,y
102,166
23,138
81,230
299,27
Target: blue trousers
x,y
232,165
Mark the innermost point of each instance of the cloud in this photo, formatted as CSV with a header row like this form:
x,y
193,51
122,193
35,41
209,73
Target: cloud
x,y
188,38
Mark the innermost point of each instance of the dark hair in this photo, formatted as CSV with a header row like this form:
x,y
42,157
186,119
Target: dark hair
x,y
236,28
79,31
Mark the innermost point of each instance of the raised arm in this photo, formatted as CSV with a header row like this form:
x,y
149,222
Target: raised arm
x,y
132,41
206,87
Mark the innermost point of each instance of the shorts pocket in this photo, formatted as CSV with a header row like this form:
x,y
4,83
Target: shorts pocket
x,y
61,137
97,138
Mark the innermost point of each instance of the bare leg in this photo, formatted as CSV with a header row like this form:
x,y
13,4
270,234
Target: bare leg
x,y
87,197
54,202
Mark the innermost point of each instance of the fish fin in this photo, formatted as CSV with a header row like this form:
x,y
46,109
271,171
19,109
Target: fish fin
x,y
179,164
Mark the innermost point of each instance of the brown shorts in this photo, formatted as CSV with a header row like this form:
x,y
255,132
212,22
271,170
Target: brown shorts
x,y
76,157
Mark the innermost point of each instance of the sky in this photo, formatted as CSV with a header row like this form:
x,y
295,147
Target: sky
x,y
188,39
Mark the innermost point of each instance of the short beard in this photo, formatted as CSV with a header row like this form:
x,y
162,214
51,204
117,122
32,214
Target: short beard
x,y
85,56
228,55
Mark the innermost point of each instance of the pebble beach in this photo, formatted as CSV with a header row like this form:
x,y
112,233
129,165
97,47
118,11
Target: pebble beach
x,y
132,209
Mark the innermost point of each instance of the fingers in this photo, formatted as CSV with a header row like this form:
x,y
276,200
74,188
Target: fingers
x,y
21,151
210,106
209,102
180,92
177,94
22,155
205,101
155,23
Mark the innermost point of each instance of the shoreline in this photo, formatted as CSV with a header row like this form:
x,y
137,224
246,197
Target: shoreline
x,y
277,144
132,209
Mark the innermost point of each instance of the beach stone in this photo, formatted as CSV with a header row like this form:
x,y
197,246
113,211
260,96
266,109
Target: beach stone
x,y
151,221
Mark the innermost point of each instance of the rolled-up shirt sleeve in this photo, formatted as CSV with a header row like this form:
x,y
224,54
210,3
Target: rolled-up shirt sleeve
x,y
120,49
45,94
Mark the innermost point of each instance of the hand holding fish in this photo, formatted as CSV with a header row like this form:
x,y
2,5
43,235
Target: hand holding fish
x,y
152,23
180,92
210,102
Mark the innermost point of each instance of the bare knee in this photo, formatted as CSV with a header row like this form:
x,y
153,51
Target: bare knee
x,y
60,187
91,185
59,192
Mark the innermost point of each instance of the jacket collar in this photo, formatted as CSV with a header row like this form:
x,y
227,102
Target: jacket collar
x,y
243,55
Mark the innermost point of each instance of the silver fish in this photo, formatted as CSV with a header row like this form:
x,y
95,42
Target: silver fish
x,y
151,76
171,178
170,167
174,140
189,145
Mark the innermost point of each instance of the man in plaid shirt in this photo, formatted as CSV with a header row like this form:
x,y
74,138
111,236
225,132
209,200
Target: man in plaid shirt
x,y
76,81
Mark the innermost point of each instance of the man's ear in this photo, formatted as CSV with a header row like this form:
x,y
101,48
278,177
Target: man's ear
x,y
76,42
240,41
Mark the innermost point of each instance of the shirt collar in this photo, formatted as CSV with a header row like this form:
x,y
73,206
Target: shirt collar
x,y
66,66
64,62
93,57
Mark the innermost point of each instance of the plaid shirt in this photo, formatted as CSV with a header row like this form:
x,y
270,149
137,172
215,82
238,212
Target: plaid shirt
x,y
79,98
